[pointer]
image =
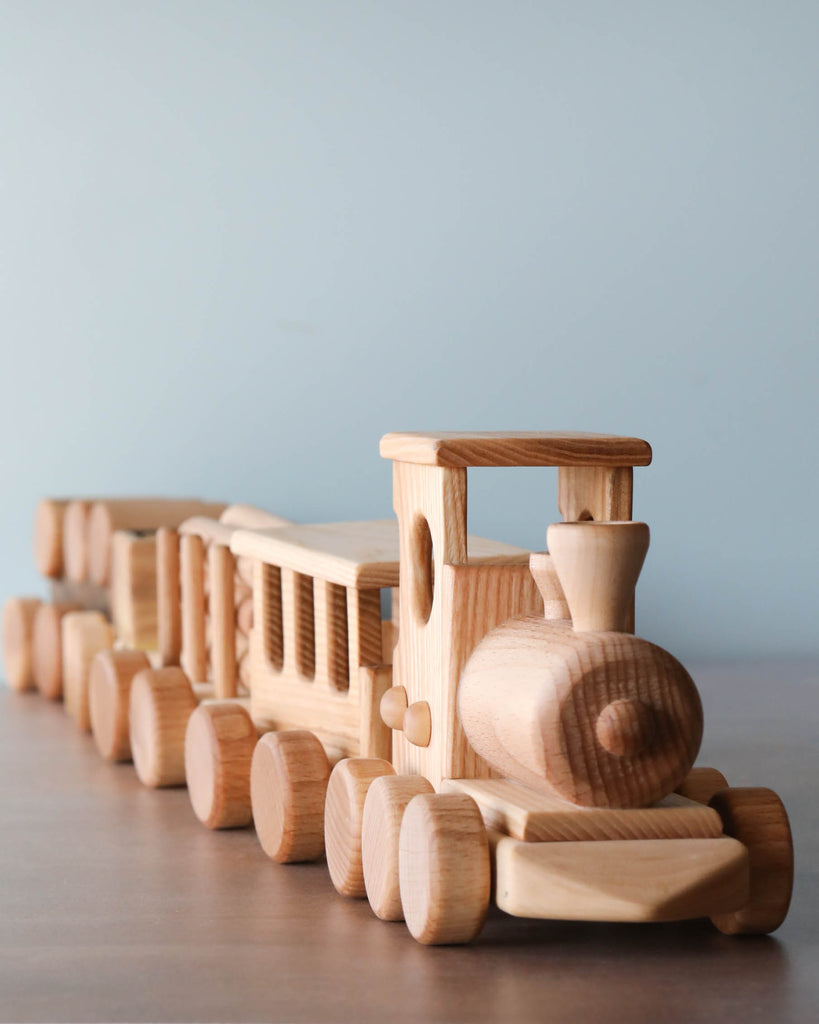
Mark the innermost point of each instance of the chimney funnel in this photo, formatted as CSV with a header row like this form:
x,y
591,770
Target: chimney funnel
x,y
598,564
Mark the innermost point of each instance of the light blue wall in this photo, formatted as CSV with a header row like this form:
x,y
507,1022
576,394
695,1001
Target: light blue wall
x,y
241,240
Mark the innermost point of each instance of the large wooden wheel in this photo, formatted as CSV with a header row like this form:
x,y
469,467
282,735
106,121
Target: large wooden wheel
x,y
444,868
109,689
758,819
47,648
288,785
343,816
219,742
161,702
387,799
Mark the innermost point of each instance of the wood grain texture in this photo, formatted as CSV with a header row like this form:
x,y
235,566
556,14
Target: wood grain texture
x,y
598,565
375,737
548,585
622,880
161,702
758,819
429,659
444,868
514,448
47,647
168,596
48,537
531,696
288,786
109,690
384,806
343,816
133,580
535,817
219,741
84,634
18,639
601,493
107,516
357,554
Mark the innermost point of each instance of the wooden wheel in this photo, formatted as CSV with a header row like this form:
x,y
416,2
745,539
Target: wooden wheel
x,y
701,783
758,819
219,742
18,638
288,784
343,814
161,702
387,799
444,868
84,635
109,690
47,648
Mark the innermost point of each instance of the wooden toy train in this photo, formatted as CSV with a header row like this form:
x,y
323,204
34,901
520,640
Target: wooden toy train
x,y
501,735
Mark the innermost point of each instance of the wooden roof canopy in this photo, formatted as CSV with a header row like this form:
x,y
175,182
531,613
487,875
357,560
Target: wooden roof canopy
x,y
515,448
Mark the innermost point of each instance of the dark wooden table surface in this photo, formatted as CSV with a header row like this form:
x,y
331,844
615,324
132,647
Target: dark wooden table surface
x,y
116,905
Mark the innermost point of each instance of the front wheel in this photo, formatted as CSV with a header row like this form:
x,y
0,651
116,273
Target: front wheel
x,y
444,868
758,819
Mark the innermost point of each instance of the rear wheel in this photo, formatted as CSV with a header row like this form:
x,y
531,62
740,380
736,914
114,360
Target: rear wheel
x,y
758,819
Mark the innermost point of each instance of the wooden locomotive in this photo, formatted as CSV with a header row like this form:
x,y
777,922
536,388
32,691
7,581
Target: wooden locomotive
x,y
500,736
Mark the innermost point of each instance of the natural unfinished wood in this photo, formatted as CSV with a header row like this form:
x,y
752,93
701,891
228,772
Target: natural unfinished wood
x,y
701,784
219,743
375,737
344,811
444,868
621,880
134,588
757,818
358,554
288,786
18,639
48,537
601,493
168,596
109,689
84,634
161,702
535,817
75,540
417,724
47,648
222,620
250,517
394,706
387,799
548,585
598,565
515,448
194,657
449,600
531,697
138,514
